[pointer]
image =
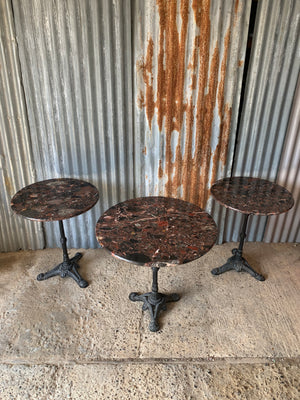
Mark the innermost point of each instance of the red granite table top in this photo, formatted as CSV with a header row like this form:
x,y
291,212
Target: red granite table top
x,y
252,195
55,199
151,230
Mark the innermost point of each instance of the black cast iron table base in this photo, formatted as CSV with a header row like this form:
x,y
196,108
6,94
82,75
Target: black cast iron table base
x,y
64,269
68,267
238,263
154,301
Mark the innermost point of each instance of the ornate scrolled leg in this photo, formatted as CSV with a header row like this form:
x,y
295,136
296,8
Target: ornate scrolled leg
x,y
224,268
250,270
237,261
64,269
239,264
68,267
154,301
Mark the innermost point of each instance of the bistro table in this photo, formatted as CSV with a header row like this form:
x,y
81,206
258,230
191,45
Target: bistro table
x,y
56,200
156,232
249,196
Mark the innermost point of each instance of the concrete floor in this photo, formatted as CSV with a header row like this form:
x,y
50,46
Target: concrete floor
x,y
229,336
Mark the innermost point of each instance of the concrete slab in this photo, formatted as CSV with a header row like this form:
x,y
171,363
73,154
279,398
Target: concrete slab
x,y
146,381
230,315
55,319
227,316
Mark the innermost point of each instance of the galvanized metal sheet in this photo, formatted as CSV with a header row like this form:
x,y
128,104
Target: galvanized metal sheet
x,y
16,158
189,58
141,98
286,227
271,83
76,65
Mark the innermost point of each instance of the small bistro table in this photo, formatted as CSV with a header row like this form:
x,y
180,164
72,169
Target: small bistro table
x,y
249,196
156,232
56,200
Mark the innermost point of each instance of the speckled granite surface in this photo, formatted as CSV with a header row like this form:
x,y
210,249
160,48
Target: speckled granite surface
x,y
252,195
156,229
55,199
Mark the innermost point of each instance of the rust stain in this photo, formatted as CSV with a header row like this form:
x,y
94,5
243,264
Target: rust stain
x,y
161,76
8,184
148,79
144,151
186,168
207,120
241,63
203,131
220,154
160,170
169,8
188,153
180,105
180,73
236,8
193,64
225,133
225,112
141,100
223,74
147,99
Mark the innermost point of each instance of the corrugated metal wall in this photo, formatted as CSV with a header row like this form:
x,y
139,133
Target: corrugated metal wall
x,y
16,158
286,227
76,66
188,75
139,98
270,89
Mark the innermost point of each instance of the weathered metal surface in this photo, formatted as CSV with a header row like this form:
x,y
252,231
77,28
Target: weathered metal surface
x,y
16,158
76,66
270,89
190,56
286,227
142,98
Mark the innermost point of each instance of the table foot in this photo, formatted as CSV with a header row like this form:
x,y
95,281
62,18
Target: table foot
x,y
64,269
239,264
154,302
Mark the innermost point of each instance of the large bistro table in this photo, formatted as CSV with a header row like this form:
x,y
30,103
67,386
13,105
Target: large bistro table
x,y
249,196
56,200
156,232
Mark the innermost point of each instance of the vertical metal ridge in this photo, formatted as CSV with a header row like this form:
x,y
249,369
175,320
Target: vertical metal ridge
x,y
236,61
286,227
76,61
72,105
16,159
271,82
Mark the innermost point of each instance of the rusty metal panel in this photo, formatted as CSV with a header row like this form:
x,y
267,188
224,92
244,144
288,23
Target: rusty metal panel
x,y
286,227
16,158
142,98
76,66
189,60
270,89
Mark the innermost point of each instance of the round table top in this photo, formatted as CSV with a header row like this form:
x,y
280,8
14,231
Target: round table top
x,y
252,195
156,230
55,199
